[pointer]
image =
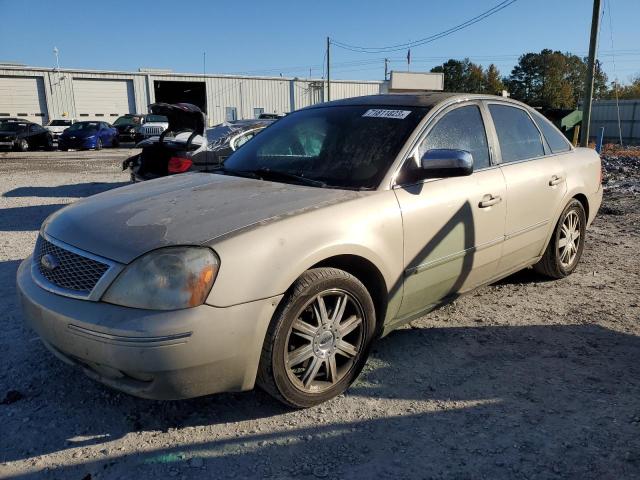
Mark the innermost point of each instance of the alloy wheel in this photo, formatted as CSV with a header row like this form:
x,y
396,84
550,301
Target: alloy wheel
x,y
324,341
569,241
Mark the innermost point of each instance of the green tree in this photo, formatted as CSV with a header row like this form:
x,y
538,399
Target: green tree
x,y
552,79
462,76
625,92
492,82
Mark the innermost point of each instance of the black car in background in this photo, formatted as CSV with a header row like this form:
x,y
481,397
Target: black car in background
x,y
23,136
188,150
127,126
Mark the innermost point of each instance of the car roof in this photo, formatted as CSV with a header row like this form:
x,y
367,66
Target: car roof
x,y
417,99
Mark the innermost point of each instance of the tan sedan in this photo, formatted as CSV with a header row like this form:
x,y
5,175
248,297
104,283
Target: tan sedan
x,y
332,227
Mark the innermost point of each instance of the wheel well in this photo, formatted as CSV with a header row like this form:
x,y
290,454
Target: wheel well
x,y
369,275
585,203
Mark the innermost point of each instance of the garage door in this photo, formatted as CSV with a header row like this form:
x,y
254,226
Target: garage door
x,y
103,99
23,97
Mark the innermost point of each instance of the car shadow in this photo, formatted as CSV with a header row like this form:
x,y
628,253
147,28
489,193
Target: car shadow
x,y
498,402
8,271
16,219
77,190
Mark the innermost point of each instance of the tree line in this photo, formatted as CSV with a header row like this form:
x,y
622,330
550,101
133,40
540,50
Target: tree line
x,y
548,80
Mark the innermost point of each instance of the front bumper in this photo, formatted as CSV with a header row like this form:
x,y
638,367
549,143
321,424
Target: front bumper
x,y
147,353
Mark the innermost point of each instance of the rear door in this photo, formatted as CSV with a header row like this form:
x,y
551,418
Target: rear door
x,y
536,184
453,227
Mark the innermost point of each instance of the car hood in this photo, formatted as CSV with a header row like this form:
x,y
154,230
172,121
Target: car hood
x,y
181,116
125,127
187,209
155,124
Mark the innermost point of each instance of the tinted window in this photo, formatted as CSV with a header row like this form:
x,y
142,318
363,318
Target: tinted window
x,y
460,129
342,146
556,140
518,136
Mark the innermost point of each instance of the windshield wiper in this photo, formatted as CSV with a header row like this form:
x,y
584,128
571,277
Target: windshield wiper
x,y
237,173
268,174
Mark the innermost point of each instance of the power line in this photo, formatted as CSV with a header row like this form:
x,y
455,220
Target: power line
x,y
403,46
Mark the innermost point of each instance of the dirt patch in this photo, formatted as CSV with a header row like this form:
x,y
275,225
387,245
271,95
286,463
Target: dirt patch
x,y
526,378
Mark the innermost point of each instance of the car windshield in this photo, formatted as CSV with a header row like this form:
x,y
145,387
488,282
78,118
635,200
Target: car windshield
x,y
83,127
127,121
60,123
12,126
156,118
337,146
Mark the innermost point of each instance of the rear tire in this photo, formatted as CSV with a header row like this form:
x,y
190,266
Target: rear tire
x,y
565,247
318,340
23,145
115,143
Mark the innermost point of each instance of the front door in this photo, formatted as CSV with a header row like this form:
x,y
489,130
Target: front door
x,y
453,227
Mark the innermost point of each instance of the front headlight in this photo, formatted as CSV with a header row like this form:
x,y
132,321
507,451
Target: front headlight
x,y
166,279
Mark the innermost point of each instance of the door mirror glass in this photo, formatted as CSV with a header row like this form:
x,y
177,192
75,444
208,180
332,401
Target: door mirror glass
x,y
444,162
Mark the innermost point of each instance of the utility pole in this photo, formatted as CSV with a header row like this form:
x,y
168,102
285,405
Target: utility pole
x,y
386,67
591,69
328,70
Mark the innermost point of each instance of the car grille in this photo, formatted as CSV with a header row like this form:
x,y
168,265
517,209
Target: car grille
x,y
151,131
73,272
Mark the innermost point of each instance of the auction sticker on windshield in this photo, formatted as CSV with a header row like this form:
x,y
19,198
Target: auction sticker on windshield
x,y
382,113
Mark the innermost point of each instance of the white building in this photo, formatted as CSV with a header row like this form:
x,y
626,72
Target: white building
x,y
40,94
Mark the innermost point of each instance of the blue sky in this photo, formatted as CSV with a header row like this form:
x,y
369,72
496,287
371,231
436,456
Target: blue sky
x,y
288,37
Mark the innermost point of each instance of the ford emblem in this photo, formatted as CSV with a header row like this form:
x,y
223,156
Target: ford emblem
x,y
49,262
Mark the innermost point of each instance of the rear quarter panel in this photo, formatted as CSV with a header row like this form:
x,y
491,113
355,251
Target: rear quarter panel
x,y
583,173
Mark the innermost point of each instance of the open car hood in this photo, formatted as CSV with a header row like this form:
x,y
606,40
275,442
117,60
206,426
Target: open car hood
x,y
182,116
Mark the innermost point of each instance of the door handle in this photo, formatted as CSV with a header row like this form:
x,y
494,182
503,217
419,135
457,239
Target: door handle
x,y
555,180
489,200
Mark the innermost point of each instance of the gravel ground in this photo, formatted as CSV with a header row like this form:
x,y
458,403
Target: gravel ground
x,y
526,378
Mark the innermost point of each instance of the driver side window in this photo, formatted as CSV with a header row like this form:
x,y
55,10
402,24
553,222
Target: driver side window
x,y
460,129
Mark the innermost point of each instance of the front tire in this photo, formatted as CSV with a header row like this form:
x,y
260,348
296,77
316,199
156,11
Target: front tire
x,y
99,144
319,338
565,248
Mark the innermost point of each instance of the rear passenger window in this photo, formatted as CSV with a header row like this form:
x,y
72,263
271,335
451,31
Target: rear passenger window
x,y
518,136
460,129
556,140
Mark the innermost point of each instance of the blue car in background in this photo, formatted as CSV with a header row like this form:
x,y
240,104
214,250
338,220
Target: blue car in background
x,y
88,135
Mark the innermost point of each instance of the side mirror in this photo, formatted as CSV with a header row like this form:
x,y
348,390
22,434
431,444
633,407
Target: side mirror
x,y
443,163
